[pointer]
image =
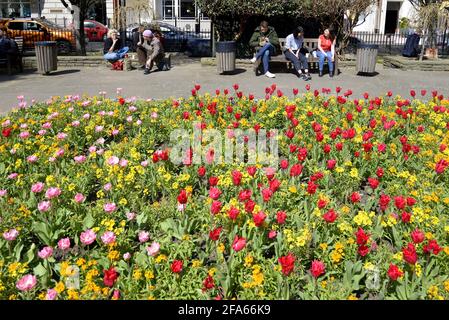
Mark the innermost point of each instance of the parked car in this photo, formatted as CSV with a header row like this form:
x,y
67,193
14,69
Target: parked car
x,y
175,39
33,30
95,31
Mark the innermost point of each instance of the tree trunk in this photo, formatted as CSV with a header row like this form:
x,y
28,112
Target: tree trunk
x,y
82,35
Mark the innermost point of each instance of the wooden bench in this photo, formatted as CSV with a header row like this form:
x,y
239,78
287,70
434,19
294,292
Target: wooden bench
x,y
15,59
310,44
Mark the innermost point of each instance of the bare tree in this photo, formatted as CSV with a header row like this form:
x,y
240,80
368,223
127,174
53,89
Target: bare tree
x,y
79,10
340,15
430,13
142,9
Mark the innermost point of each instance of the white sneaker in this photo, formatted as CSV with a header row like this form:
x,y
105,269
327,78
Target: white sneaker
x,y
270,75
253,60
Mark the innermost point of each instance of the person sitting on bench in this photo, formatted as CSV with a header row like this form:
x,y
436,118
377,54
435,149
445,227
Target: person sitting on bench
x,y
155,51
326,49
7,46
292,52
113,50
265,40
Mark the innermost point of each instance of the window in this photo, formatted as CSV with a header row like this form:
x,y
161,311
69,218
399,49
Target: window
x,y
15,25
89,24
15,8
187,9
168,9
33,26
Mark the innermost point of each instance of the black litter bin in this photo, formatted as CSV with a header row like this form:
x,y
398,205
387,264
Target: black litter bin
x,y
366,58
225,53
46,56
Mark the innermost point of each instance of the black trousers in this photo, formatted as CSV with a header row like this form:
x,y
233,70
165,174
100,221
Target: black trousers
x,y
298,63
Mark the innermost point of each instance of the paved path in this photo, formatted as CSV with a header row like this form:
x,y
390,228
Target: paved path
x,y
180,80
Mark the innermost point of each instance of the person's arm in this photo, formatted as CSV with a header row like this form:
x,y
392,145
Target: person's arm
x,y
319,45
157,50
107,45
333,49
254,41
274,39
114,44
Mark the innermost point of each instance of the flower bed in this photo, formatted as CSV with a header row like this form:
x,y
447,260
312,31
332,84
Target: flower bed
x,y
93,208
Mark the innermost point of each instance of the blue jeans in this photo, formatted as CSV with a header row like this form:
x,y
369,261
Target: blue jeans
x,y
265,52
116,55
321,58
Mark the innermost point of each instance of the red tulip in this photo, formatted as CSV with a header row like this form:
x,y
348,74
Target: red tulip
x,y
239,243
287,263
110,276
317,268
176,266
394,273
214,235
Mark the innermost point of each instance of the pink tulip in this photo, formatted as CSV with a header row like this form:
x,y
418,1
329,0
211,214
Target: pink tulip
x,y
108,237
64,244
87,237
3,192
44,206
130,216
51,294
52,193
61,136
80,159
109,207
153,249
26,283
123,163
45,253
24,135
144,236
79,197
113,160
10,235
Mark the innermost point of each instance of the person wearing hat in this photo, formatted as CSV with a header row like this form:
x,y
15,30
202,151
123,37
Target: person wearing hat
x,y
154,49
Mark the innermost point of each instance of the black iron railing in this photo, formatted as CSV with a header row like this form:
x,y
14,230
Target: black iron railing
x,y
393,43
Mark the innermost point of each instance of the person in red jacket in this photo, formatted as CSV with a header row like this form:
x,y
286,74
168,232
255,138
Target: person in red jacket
x,y
326,50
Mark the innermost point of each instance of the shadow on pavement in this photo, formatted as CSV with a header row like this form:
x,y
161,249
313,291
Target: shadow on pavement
x,y
233,73
62,72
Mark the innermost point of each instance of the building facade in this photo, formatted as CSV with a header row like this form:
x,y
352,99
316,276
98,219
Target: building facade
x,y
180,13
384,16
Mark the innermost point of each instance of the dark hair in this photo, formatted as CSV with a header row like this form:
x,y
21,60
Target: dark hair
x,y
296,31
331,33
264,24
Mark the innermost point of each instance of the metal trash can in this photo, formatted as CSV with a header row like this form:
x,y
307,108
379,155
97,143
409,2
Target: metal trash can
x,y
366,58
46,56
225,54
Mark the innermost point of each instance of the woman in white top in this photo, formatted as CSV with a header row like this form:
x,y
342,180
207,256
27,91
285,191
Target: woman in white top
x,y
292,52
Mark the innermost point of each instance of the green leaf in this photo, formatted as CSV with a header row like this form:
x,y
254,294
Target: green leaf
x,y
141,259
18,250
88,221
43,232
39,270
29,255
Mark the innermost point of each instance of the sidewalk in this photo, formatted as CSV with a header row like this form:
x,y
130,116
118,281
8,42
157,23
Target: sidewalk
x,y
179,81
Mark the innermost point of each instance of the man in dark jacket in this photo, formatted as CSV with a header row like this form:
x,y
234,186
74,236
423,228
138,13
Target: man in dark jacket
x,y
265,40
